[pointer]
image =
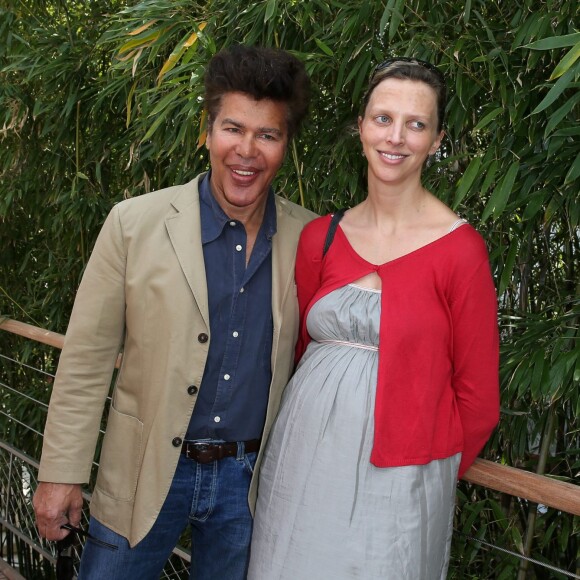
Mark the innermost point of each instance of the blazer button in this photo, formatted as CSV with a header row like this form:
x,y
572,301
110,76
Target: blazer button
x,y
203,337
177,441
192,389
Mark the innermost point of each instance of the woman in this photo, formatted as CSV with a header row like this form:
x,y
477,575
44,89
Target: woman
x,y
396,391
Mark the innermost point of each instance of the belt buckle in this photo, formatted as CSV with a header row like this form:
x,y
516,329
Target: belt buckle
x,y
204,452
192,448
200,445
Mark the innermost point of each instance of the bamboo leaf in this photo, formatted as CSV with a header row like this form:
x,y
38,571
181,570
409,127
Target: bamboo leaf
x,y
323,47
174,57
202,130
194,35
467,180
385,17
167,100
534,205
554,42
558,116
489,176
567,62
155,125
180,138
506,274
142,28
488,119
559,87
396,18
573,131
467,11
501,193
270,10
574,171
517,538
170,63
127,56
137,55
564,535
141,41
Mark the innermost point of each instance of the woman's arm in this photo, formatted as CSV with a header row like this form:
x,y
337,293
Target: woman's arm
x,y
308,273
476,360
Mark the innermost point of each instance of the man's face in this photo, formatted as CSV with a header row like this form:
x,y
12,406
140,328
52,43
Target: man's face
x,y
246,145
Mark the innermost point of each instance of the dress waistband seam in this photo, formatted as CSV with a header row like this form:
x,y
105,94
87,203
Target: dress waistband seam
x,y
351,344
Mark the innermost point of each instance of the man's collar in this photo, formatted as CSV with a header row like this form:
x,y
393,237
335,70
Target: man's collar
x,y
213,217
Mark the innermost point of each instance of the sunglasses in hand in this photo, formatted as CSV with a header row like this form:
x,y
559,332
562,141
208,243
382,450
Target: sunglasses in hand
x,y
65,550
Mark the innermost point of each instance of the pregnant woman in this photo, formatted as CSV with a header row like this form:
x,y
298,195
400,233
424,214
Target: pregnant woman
x,y
396,390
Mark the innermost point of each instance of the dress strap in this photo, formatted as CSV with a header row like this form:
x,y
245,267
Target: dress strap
x,y
337,216
456,224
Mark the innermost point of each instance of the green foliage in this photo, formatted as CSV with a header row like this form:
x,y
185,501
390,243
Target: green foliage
x,y
102,100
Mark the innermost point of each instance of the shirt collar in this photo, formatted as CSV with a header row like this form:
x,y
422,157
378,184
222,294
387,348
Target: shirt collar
x,y
213,217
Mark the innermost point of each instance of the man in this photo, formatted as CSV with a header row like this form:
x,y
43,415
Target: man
x,y
195,284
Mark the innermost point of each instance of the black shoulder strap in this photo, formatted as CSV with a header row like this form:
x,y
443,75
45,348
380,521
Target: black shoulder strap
x,y
332,229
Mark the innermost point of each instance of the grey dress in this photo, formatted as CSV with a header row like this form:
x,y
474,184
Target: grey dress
x,y
324,511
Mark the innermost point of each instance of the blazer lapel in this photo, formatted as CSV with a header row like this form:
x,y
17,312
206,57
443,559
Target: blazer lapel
x,y
283,259
184,229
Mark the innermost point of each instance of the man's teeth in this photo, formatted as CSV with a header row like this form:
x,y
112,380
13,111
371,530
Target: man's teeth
x,y
391,156
245,173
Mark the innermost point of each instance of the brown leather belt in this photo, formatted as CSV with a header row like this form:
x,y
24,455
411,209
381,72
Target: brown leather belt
x,y
208,452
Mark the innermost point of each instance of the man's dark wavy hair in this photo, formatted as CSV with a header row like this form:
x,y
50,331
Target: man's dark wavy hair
x,y
262,73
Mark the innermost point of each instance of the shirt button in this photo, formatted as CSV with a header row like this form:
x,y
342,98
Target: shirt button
x,y
233,224
242,289
177,441
217,419
203,337
235,334
192,389
239,248
227,377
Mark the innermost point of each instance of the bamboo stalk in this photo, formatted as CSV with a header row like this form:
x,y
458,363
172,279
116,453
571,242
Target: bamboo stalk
x,y
533,507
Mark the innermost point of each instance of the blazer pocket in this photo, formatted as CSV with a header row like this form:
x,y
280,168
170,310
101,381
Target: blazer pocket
x,y
120,456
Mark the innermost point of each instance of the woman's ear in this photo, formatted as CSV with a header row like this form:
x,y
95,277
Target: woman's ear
x,y
437,143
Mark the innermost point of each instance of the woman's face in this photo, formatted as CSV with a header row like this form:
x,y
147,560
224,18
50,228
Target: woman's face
x,y
399,130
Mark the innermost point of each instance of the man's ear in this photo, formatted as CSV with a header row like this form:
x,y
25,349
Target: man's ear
x,y
207,132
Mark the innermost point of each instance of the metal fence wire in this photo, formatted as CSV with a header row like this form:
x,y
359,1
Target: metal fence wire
x,y
24,393
25,388
21,546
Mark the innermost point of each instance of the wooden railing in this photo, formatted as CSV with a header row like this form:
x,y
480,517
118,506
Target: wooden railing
x,y
517,482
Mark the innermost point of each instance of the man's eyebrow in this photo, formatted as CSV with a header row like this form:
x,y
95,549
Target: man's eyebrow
x,y
270,130
228,121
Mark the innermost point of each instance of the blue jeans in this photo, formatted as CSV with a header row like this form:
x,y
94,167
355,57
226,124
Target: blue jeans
x,y
213,499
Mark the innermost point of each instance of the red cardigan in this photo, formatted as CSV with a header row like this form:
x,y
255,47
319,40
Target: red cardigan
x,y
438,390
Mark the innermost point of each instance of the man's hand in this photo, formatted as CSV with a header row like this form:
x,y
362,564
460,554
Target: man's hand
x,y
56,504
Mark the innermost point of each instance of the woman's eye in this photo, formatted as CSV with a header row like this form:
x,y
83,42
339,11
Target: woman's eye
x,y
418,125
382,119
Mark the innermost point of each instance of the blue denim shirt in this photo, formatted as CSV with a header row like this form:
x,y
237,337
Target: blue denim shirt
x,y
233,395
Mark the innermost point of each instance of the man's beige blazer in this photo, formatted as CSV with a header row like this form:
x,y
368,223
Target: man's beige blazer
x,y
144,292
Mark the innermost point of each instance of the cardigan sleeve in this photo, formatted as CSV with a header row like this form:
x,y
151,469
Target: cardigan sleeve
x,y
308,273
476,359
